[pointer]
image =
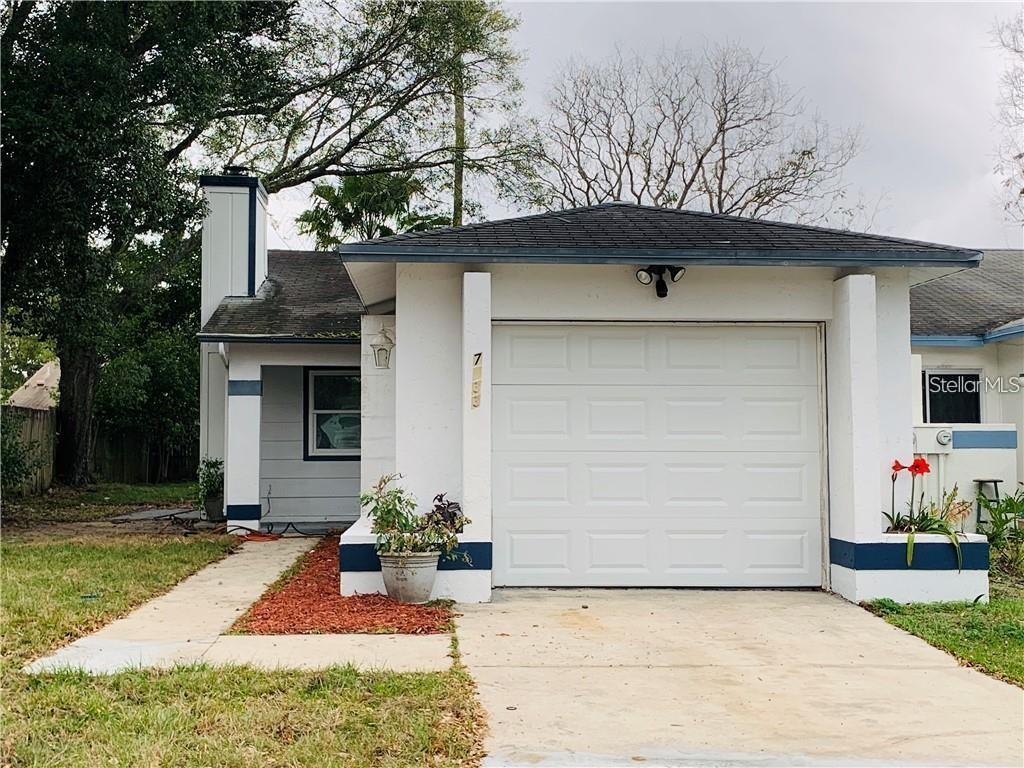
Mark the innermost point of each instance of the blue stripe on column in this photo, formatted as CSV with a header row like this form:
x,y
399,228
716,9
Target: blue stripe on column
x,y
245,387
363,557
984,438
252,241
892,556
244,512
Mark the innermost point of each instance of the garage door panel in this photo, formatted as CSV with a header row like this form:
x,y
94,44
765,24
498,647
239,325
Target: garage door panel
x,y
666,553
656,456
577,485
626,355
654,418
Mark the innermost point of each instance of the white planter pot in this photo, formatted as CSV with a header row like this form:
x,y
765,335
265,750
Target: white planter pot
x,y
409,577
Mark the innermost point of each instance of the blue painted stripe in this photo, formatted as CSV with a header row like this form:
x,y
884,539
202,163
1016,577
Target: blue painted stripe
x,y
244,512
981,438
947,341
892,556
363,557
245,387
1010,332
252,241
1000,334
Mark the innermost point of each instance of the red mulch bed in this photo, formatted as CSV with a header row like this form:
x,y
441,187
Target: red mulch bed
x,y
309,603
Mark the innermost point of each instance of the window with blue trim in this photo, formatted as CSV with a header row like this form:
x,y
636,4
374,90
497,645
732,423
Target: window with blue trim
x,y
332,417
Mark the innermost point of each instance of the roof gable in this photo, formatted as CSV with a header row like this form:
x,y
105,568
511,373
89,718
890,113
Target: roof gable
x,y
630,233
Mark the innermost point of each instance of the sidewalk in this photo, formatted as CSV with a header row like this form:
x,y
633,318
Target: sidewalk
x,y
186,626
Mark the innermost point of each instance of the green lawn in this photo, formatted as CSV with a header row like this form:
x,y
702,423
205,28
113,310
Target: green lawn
x,y
56,590
97,502
990,637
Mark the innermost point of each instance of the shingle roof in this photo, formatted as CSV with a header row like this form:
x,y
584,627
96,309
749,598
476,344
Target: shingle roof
x,y
971,302
307,296
625,232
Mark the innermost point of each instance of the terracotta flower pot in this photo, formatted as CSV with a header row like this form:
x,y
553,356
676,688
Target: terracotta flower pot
x,y
409,576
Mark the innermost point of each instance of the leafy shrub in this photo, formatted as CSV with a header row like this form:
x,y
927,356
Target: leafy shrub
x,y
211,479
400,530
1005,531
18,459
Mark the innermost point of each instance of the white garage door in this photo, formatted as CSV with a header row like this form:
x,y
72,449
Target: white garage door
x,y
666,455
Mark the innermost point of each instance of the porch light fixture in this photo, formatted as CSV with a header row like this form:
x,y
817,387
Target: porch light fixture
x,y
382,345
656,274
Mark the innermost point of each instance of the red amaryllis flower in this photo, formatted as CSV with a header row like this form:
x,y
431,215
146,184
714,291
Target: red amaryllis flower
x,y
896,466
920,466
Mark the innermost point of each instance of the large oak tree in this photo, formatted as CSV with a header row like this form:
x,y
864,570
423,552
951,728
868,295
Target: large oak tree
x,y
111,110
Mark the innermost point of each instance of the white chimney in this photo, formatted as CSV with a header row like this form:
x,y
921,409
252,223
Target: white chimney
x,y
234,237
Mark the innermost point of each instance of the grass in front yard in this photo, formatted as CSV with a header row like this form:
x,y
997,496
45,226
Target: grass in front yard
x,y
55,591
988,636
97,502
196,716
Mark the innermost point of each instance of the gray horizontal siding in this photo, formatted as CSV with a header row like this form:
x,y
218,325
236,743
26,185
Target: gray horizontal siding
x,y
291,489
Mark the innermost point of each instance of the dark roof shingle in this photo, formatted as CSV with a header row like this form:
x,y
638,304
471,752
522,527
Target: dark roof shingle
x,y
971,302
638,233
307,296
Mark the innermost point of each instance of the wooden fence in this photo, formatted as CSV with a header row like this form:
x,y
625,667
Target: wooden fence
x,y
119,458
38,428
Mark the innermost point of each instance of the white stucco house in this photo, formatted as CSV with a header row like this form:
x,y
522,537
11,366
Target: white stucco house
x,y
618,395
967,340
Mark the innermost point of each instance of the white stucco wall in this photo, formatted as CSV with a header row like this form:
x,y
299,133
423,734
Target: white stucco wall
x,y
377,400
611,292
428,380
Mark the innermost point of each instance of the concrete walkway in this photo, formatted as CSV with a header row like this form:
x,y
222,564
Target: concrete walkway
x,y
662,677
185,626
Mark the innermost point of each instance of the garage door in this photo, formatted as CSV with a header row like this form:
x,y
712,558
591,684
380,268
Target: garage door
x,y
671,455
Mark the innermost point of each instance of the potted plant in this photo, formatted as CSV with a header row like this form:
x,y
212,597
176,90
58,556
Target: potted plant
x,y
410,545
211,489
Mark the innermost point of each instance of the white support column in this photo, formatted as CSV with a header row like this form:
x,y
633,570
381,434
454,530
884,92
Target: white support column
x,y
895,382
242,464
476,404
853,414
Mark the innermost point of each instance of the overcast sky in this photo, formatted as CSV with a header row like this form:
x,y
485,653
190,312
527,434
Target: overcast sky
x,y
919,79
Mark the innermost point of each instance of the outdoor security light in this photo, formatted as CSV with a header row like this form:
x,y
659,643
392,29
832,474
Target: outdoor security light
x,y
382,345
656,274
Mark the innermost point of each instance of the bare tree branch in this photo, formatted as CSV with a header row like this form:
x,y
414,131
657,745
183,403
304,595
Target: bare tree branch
x,y
718,131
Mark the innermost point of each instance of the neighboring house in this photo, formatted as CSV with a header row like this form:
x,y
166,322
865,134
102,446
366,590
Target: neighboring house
x,y
605,417
967,338
39,392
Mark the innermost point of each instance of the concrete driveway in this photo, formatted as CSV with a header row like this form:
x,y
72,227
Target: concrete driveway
x,y
663,677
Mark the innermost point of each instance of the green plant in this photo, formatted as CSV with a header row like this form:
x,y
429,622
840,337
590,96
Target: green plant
x,y
18,458
931,518
211,479
400,530
1005,530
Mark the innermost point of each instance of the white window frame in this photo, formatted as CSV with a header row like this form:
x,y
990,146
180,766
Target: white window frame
x,y
312,451
926,405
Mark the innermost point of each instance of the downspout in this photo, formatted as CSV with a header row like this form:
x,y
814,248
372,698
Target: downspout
x,y
222,350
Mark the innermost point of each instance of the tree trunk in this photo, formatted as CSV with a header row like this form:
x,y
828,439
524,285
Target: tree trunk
x,y
460,149
79,370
